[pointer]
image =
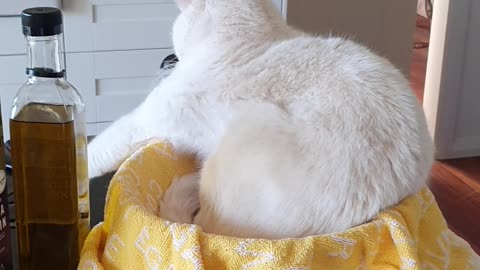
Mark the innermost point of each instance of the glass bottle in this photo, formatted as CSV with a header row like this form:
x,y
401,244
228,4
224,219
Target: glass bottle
x,y
49,152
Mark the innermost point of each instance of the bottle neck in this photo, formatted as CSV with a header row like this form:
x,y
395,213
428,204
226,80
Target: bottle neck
x,y
45,56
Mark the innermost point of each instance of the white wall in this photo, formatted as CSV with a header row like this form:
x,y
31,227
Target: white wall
x,y
468,118
452,93
386,26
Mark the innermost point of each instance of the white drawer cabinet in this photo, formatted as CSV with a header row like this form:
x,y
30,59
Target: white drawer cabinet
x,y
118,24
103,25
114,51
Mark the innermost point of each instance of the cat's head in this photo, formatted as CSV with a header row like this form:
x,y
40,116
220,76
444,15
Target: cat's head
x,y
200,20
191,26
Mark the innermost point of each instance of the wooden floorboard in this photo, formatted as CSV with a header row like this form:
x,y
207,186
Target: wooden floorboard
x,y
459,203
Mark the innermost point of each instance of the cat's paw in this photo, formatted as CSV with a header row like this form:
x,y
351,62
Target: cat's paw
x,y
94,166
181,200
93,170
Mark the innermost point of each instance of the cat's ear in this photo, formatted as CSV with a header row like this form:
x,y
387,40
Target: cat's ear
x,y
183,4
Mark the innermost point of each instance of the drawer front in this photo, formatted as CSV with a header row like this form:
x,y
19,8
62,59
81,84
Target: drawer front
x,y
13,76
123,80
80,73
107,25
11,26
12,41
133,24
101,25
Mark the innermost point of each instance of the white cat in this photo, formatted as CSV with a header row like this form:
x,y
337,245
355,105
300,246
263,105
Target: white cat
x,y
299,135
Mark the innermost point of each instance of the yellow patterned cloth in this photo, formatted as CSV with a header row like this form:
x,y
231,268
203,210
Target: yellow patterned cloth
x,y
412,235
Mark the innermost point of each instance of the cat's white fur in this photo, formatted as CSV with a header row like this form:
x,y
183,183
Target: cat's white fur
x,y
300,135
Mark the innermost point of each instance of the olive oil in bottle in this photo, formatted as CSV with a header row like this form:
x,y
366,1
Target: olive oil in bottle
x,y
49,158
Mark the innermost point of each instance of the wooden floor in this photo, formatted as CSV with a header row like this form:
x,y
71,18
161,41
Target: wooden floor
x,y
455,183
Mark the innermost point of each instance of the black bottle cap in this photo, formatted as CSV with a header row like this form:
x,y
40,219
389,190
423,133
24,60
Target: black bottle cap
x,y
42,21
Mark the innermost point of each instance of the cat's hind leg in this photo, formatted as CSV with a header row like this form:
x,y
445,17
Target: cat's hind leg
x,y
181,200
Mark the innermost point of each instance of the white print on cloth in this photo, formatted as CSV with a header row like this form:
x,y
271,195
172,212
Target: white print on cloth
x,y
151,255
262,258
192,256
408,263
129,210
378,226
443,242
89,265
404,238
162,150
112,247
153,196
137,157
397,227
426,202
347,247
179,241
130,184
362,265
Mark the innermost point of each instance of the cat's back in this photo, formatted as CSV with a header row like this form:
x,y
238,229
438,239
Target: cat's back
x,y
326,64
350,139
355,119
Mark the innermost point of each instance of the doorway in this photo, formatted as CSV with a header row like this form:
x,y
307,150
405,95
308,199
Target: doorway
x,y
421,42
455,182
